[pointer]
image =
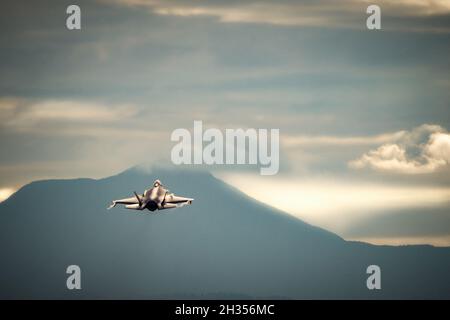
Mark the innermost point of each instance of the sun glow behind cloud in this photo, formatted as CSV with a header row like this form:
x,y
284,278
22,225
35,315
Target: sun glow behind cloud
x,y
334,204
6,193
438,241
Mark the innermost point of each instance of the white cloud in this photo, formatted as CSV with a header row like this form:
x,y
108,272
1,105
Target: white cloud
x,y
439,147
417,7
346,13
277,12
425,149
31,112
303,140
20,114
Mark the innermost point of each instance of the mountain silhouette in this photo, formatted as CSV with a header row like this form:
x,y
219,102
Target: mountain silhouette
x,y
225,245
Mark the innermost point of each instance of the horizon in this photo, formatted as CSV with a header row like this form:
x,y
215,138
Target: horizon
x,y
152,170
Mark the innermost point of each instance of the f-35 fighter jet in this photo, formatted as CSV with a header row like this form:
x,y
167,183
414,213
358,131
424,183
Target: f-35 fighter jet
x,y
156,198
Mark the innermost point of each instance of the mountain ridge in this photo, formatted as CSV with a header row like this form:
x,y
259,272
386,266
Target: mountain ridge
x,y
226,244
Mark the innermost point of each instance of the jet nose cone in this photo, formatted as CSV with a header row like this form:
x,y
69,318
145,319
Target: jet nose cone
x,y
157,183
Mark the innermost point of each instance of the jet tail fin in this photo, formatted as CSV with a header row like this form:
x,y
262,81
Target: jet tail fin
x,y
112,205
138,199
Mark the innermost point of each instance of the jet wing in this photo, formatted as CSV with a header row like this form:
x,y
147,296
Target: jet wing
x,y
171,198
173,201
132,200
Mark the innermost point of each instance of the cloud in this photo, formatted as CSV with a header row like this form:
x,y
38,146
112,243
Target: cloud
x,y
418,7
54,138
303,140
425,149
416,225
347,13
339,203
22,114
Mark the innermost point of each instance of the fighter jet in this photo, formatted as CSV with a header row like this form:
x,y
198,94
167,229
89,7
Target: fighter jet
x,y
156,198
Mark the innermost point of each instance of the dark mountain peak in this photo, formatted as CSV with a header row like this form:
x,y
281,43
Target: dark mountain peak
x,y
224,242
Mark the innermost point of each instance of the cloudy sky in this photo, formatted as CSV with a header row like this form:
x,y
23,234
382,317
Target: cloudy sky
x,y
364,116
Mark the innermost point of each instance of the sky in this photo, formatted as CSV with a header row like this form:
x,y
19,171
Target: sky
x,y
364,115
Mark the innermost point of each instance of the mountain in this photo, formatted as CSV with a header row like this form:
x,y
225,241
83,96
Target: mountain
x,y
225,245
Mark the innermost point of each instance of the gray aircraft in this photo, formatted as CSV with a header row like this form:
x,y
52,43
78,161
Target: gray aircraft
x,y
156,198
